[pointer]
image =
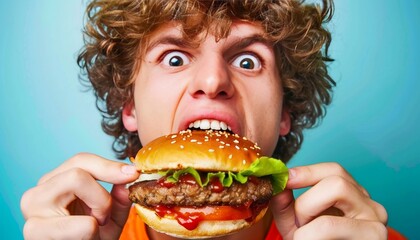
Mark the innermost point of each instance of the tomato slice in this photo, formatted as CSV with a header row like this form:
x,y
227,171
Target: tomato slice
x,y
190,217
217,212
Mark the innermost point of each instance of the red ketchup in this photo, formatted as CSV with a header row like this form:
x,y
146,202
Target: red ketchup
x,y
188,179
189,221
164,183
216,186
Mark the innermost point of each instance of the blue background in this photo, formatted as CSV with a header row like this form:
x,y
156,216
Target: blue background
x,y
372,127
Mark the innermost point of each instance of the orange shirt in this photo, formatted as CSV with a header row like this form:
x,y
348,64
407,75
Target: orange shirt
x,y
135,229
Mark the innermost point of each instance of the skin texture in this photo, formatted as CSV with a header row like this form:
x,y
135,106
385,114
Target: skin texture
x,y
209,84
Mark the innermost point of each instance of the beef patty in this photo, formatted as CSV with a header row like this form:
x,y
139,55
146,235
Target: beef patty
x,y
151,193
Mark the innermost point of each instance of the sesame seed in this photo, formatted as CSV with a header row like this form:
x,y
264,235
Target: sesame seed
x,y
221,146
150,148
237,147
211,150
181,146
174,136
174,141
236,141
244,162
193,140
230,156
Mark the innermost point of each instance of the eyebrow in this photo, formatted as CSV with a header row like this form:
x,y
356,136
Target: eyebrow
x,y
170,40
241,43
238,43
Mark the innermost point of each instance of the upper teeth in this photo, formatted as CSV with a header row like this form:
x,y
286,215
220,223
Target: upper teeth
x,y
206,124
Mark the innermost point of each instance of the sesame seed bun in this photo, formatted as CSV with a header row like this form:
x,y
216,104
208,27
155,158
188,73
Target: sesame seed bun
x,y
201,150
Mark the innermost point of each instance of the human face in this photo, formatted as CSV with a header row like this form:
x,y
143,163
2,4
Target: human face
x,y
233,81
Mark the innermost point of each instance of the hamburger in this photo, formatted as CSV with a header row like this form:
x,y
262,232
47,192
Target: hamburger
x,y
201,184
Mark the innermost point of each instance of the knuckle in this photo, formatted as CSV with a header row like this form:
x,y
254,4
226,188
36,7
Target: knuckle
x,y
79,157
29,228
78,173
381,213
380,230
25,201
339,185
78,176
326,222
337,169
323,224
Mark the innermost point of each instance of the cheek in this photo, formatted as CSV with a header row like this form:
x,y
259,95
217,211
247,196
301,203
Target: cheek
x,y
268,110
155,105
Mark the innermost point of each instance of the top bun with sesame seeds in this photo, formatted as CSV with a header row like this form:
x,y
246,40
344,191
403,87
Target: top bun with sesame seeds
x,y
202,150
203,184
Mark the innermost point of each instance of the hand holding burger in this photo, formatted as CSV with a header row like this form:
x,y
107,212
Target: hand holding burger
x,y
199,184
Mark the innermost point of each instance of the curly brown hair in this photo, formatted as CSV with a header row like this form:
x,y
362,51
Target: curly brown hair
x,y
116,30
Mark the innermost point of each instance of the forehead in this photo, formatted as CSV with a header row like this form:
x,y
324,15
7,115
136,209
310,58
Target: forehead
x,y
173,31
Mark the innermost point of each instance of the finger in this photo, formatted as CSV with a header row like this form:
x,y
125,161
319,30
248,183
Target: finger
x,y
100,168
66,187
282,207
121,205
306,176
336,192
73,227
332,227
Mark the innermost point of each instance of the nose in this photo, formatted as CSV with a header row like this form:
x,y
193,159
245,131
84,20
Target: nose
x,y
212,79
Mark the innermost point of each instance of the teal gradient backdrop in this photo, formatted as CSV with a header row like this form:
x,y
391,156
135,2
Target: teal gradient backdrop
x,y
372,127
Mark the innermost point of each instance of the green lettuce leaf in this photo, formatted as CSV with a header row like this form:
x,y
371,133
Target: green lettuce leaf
x,y
263,166
266,166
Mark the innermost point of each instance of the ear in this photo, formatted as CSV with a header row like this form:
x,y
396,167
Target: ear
x,y
129,117
285,122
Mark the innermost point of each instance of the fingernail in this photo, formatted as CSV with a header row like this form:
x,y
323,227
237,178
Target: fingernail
x,y
292,173
129,169
105,221
297,222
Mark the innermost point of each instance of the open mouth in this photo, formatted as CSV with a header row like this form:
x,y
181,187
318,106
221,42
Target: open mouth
x,y
209,124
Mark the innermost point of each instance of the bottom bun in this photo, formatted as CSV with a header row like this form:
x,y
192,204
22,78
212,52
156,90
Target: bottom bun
x,y
206,229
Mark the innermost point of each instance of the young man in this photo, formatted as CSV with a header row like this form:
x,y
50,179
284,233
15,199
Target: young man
x,y
157,66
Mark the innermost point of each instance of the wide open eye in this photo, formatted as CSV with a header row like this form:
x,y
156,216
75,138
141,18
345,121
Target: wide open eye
x,y
247,61
175,59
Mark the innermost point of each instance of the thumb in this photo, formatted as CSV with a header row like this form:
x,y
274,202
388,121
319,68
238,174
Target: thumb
x,y
283,208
